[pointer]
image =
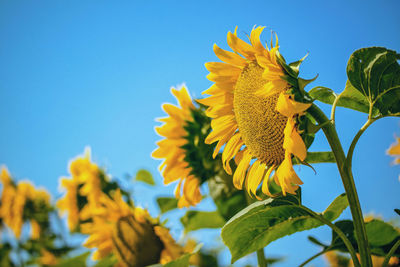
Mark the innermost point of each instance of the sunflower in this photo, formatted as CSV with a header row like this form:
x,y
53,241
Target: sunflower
x,y
129,233
174,166
254,115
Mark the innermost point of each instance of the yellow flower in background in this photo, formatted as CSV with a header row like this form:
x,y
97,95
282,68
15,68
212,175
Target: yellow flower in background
x,y
13,201
129,233
85,181
47,258
174,167
394,150
69,203
254,115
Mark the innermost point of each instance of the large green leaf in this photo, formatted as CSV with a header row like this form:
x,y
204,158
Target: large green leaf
x,y
167,203
375,73
265,221
145,177
194,220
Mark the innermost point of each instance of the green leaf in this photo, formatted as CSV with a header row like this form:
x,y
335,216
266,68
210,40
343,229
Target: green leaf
x,y
265,221
380,233
227,198
381,236
79,260
167,203
145,177
106,262
183,261
349,98
194,220
375,73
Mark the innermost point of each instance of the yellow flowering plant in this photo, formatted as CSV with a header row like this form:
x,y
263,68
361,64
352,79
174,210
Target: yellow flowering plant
x,y
262,122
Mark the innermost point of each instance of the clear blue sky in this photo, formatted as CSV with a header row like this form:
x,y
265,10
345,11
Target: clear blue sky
x,y
77,73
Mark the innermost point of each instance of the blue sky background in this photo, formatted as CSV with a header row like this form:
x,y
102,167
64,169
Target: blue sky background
x,y
77,73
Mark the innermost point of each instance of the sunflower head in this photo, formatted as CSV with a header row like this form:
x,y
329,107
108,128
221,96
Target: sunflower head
x,y
256,104
130,233
186,158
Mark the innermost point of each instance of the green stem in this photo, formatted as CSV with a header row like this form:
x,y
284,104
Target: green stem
x,y
391,252
261,258
348,183
339,232
313,257
349,157
260,253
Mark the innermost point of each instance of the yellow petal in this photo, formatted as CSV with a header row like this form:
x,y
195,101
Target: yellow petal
x,y
240,46
240,173
255,39
229,57
292,142
287,177
265,185
288,107
256,176
231,148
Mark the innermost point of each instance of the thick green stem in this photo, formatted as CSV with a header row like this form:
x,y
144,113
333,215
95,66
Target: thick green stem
x,y
261,258
348,183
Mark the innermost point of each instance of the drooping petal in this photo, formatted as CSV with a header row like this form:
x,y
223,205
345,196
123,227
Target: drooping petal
x,y
293,143
288,107
240,172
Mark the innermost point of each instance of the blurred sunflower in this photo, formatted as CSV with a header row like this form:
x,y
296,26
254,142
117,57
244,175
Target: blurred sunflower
x,y
254,115
394,150
84,185
14,200
129,233
171,149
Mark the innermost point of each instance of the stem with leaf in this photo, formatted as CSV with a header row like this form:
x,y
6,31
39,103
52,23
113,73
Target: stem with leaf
x,y
391,252
260,253
348,183
339,232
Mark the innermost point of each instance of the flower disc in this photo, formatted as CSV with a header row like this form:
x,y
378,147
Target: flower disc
x,y
259,123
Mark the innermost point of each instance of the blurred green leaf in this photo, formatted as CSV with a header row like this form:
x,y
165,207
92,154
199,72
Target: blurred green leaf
x,y
194,220
183,261
167,203
381,236
79,260
380,233
145,177
106,262
265,221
